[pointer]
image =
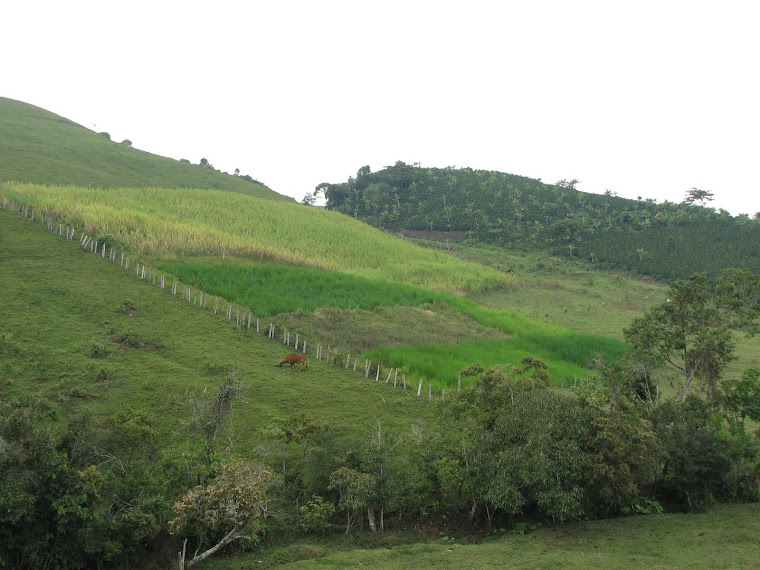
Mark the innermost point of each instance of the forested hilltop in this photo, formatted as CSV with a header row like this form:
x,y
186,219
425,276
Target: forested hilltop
x,y
665,240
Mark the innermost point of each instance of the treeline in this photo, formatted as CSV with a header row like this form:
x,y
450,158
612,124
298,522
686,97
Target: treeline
x,y
667,240
512,455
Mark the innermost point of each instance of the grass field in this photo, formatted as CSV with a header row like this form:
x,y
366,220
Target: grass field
x,y
61,309
723,537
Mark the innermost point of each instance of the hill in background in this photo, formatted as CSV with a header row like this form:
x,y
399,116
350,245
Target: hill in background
x,y
41,147
666,241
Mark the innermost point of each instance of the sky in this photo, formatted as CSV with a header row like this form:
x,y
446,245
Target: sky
x,y
643,98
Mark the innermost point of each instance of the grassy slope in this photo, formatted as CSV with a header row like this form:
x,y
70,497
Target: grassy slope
x,y
159,221
59,302
41,147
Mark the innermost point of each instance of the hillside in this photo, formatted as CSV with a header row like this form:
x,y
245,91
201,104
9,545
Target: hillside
x,y
448,390
67,339
667,241
41,147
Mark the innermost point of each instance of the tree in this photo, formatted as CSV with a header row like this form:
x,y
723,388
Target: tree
x,y
211,416
690,332
226,510
354,489
699,197
742,397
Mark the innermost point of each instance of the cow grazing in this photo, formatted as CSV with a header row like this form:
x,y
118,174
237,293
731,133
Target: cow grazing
x,y
294,359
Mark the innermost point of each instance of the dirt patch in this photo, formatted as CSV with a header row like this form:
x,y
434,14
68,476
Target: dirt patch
x,y
435,235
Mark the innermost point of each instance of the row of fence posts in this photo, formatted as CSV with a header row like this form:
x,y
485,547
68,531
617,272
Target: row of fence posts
x,y
200,299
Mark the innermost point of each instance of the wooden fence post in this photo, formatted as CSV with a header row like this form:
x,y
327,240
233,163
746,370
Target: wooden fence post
x,y
419,389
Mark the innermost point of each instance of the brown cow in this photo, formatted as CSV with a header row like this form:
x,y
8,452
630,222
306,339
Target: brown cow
x,y
293,359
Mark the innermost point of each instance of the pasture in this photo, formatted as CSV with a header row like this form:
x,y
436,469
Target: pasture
x,y
723,537
65,337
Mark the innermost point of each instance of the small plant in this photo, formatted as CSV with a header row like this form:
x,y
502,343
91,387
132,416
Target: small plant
x,y
643,506
522,528
104,375
132,340
128,308
98,350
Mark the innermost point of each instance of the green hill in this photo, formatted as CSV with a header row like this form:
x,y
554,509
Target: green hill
x,y
39,146
666,241
141,401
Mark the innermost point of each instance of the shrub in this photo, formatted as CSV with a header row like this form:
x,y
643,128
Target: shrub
x,y
315,515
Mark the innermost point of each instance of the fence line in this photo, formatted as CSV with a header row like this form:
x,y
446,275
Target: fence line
x,y
200,299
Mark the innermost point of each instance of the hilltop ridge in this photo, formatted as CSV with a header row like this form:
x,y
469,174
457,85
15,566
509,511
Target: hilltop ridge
x,y
41,147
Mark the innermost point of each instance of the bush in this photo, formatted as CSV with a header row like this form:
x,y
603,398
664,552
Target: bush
x,y
315,515
98,350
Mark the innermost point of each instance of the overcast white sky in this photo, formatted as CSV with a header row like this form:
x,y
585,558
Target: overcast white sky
x,y
644,98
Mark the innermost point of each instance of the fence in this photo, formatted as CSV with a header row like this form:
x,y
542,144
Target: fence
x,y
243,317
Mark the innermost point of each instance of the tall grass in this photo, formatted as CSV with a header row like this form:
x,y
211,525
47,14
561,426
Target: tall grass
x,y
272,289
269,289
152,220
442,363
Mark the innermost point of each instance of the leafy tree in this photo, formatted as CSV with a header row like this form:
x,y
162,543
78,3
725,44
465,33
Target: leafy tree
x,y
687,333
227,509
742,397
354,489
315,515
627,461
697,454
699,197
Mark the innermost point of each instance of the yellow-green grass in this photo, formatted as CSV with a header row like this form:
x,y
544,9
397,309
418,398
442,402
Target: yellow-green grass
x,y
42,147
155,221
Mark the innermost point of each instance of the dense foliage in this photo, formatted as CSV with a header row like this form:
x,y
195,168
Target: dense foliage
x,y
665,240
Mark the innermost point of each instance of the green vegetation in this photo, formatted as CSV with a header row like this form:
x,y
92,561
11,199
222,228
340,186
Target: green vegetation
x,y
667,241
136,424
156,221
272,289
41,147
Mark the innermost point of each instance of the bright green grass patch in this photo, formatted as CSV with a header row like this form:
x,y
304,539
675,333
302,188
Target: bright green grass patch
x,y
442,363
269,289
272,289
